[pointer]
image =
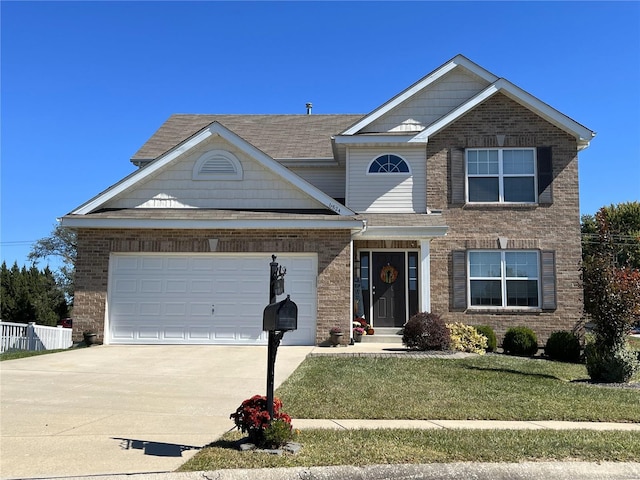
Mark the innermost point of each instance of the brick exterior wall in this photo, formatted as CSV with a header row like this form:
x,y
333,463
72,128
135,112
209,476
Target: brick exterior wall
x,y
95,246
549,227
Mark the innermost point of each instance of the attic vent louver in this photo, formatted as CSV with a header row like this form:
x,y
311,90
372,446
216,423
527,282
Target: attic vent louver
x,y
217,165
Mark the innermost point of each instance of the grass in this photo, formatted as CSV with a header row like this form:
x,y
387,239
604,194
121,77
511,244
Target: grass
x,y
361,447
492,387
26,353
634,342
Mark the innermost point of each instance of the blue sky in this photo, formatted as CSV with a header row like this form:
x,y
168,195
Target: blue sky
x,y
85,84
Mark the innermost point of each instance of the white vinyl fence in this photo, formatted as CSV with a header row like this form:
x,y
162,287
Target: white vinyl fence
x,y
23,336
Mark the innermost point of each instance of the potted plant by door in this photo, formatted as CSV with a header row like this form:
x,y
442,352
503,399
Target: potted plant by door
x,y
90,338
357,334
336,336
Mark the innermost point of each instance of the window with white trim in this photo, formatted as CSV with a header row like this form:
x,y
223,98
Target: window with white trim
x,y
501,175
503,278
217,165
388,163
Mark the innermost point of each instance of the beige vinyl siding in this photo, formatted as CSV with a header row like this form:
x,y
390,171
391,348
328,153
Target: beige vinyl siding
x,y
174,187
430,104
331,180
386,192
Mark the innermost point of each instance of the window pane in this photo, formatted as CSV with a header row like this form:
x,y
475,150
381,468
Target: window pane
x,y
472,162
482,162
486,292
364,271
522,264
389,164
522,293
519,189
518,162
413,272
484,189
484,264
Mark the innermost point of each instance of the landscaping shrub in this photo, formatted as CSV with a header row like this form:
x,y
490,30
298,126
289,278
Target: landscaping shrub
x,y
465,338
563,346
520,341
277,433
426,331
610,365
487,331
252,417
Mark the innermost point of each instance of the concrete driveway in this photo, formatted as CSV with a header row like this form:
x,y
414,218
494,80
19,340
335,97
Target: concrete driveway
x,y
117,409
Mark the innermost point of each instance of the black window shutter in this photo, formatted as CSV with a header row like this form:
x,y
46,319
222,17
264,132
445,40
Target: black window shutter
x,y
545,176
457,176
459,258
548,275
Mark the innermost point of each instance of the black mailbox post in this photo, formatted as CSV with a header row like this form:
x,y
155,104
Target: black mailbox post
x,y
277,318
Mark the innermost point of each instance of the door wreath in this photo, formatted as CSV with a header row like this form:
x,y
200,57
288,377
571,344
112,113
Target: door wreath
x,y
388,274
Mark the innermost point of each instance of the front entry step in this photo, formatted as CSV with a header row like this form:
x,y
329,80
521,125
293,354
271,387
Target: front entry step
x,y
384,335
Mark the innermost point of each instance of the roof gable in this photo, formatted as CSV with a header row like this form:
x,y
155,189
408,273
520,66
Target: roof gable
x,y
107,198
441,98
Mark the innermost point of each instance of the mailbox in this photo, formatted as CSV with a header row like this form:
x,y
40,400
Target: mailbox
x,y
280,316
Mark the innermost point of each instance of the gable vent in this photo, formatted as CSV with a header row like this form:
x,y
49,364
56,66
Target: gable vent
x,y
217,165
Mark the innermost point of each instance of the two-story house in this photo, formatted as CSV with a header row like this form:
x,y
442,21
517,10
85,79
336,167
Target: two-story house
x,y
457,196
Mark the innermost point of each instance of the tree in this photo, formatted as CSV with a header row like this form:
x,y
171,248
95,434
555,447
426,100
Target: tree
x,y
614,231
62,243
31,295
611,279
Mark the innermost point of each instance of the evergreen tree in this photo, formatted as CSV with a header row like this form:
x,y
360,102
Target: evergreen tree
x,y
31,295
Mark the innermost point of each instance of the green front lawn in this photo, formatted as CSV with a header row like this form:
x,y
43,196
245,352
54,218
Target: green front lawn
x,y
491,387
364,447
14,355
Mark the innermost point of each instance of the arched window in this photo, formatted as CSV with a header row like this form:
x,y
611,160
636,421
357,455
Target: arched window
x,y
217,165
388,163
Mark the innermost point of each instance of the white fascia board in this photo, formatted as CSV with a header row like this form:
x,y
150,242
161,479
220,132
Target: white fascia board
x,y
87,221
400,233
553,116
455,62
371,139
138,175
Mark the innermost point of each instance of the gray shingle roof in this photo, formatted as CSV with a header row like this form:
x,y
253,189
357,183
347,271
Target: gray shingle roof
x,y
279,136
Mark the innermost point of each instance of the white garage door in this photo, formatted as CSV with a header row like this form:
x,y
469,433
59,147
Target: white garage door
x,y
204,298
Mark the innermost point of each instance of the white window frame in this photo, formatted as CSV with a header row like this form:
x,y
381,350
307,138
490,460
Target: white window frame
x,y
503,280
408,173
223,157
501,175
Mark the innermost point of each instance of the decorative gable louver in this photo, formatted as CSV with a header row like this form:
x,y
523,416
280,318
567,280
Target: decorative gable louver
x,y
217,165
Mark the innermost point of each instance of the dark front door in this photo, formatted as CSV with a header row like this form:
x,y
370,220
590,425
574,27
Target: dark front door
x,y
388,279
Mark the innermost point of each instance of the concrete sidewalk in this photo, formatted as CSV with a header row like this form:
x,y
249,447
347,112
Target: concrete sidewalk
x,y
352,424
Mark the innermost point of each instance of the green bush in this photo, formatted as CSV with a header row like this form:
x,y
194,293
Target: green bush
x,y
277,433
520,341
563,346
465,338
610,365
426,331
487,331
